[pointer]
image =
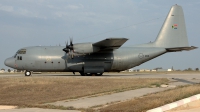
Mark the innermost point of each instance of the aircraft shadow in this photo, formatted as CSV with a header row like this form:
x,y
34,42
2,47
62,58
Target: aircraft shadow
x,y
61,75
184,81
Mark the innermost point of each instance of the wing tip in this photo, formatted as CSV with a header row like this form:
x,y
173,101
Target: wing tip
x,y
116,38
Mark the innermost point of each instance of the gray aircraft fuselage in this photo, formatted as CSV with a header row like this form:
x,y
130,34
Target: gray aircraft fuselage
x,y
53,59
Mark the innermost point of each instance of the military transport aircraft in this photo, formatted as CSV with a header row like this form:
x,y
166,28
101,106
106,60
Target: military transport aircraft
x,y
103,56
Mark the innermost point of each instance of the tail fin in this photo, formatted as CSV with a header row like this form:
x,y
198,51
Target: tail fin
x,y
173,32
173,35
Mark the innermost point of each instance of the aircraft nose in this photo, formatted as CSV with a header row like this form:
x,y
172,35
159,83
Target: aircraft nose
x,y
10,62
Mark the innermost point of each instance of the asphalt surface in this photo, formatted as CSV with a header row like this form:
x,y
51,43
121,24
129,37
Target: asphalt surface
x,y
182,76
36,110
101,100
176,80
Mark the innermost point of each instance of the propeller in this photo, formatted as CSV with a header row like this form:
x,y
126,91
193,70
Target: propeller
x,y
69,48
66,48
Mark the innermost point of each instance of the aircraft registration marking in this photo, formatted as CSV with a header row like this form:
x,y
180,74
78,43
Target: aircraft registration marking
x,y
140,55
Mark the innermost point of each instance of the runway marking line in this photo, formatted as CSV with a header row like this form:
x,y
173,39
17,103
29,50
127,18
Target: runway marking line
x,y
5,107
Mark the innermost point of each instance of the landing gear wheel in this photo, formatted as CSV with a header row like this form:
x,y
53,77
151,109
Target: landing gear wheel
x,y
82,74
27,73
89,74
99,74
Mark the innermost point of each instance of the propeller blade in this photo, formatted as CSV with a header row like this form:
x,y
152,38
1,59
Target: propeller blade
x,y
71,41
65,44
66,49
69,48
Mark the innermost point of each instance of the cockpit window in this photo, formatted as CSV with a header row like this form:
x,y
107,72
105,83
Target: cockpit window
x,y
15,55
21,51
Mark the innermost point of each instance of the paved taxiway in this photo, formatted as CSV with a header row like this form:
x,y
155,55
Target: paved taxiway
x,y
87,102
36,110
121,74
176,80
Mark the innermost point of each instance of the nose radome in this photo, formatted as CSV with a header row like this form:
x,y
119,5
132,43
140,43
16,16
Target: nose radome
x,y
10,62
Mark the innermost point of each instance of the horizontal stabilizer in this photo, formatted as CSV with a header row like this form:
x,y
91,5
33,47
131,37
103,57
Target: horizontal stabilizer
x,y
181,49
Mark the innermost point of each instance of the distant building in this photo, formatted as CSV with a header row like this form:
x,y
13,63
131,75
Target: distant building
x,y
135,70
164,70
153,70
161,70
148,70
141,70
169,70
130,70
144,70
2,71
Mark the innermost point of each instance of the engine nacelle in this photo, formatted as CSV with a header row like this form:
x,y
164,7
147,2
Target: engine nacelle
x,y
84,48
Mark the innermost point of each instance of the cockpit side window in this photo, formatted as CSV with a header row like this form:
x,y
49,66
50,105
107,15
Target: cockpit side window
x,y
19,57
21,51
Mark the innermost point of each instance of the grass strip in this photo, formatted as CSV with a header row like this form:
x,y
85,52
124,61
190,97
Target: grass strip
x,y
32,91
151,101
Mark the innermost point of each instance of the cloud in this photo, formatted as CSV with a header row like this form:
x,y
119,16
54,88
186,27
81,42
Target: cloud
x,y
6,8
74,7
60,14
52,7
21,12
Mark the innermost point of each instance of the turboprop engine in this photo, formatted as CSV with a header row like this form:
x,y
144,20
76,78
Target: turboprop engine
x,y
80,48
85,48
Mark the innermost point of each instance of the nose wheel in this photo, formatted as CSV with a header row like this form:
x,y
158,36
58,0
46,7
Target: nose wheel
x,y
28,73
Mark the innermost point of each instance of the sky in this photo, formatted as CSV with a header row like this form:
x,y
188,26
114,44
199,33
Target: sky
x,y
51,22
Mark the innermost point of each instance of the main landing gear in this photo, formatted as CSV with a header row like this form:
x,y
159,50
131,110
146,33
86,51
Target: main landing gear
x,y
90,74
27,73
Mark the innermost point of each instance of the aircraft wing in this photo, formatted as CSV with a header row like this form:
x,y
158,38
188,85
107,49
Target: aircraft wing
x,y
110,43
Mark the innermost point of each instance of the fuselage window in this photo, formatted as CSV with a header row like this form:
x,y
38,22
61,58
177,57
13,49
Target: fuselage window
x,y
21,51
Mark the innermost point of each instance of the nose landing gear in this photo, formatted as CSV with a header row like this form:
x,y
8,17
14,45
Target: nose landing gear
x,y
27,73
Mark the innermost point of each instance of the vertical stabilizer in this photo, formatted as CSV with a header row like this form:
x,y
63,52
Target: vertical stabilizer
x,y
173,32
